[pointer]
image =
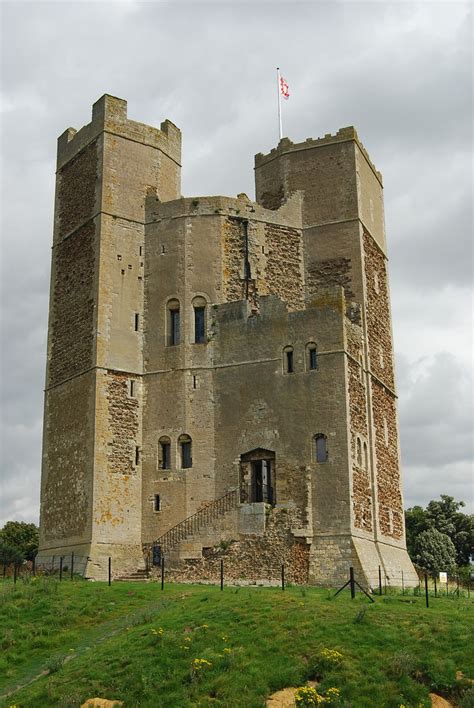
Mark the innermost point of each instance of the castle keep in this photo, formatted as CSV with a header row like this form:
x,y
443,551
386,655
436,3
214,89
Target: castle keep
x,y
220,371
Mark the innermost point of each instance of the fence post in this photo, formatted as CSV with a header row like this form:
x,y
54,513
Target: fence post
x,y
60,568
469,585
34,565
435,586
72,565
426,590
222,574
283,576
380,580
403,585
457,584
15,571
447,585
162,572
110,571
352,583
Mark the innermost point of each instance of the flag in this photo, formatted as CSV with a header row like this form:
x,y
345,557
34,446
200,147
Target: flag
x,y
284,89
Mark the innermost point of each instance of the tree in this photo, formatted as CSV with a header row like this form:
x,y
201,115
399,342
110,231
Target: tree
x,y
434,551
9,554
445,516
22,537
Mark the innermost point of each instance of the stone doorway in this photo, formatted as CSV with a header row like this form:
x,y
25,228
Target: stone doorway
x,y
257,477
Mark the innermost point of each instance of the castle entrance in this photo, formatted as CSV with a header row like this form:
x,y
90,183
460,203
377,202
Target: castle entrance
x,y
257,476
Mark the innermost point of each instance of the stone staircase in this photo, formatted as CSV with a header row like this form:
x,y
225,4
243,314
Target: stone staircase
x,y
137,576
205,527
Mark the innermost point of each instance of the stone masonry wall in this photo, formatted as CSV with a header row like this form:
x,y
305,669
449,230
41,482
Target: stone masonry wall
x,y
283,267
123,423
76,189
330,272
379,332
254,558
388,472
72,316
278,272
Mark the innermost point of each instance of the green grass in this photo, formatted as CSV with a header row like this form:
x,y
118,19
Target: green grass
x,y
100,641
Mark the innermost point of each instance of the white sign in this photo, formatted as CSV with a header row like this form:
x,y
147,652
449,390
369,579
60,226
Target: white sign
x,y
443,577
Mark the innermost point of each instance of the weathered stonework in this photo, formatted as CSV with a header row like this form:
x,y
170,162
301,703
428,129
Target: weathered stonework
x,y
220,371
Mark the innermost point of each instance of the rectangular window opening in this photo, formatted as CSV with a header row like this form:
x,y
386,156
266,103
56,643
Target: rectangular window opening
x,y
194,381
137,321
175,327
132,388
165,456
137,455
186,455
140,251
157,503
313,361
199,325
289,362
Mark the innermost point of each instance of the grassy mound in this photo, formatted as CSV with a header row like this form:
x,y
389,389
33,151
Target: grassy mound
x,y
194,645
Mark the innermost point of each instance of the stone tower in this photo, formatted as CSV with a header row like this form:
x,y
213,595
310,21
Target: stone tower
x,y
220,369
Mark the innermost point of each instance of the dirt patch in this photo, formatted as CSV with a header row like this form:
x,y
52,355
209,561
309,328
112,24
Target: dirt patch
x,y
439,702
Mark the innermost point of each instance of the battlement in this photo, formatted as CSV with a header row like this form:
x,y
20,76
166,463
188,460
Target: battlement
x,y
109,114
240,207
343,135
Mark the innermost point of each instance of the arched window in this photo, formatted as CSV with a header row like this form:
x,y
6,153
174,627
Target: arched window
x,y
320,447
288,363
312,356
164,453
185,444
359,453
174,322
366,457
199,309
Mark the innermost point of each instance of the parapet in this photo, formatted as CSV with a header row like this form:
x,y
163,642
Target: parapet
x,y
241,207
286,146
109,114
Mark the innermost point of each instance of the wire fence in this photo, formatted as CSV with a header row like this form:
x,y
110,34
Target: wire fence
x,y
429,586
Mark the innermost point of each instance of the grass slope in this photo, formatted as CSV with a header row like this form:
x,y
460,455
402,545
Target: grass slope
x,y
137,644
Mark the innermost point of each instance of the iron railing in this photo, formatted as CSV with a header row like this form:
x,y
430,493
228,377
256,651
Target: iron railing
x,y
195,522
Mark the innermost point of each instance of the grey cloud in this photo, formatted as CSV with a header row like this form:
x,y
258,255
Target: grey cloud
x,y
400,72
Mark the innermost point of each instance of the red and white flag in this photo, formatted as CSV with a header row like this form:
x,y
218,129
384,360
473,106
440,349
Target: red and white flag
x,y
284,88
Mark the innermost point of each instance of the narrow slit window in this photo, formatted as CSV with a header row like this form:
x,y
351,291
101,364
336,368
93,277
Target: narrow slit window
x,y
132,388
321,450
194,381
137,321
137,455
140,251
312,358
366,457
288,360
157,503
359,453
174,323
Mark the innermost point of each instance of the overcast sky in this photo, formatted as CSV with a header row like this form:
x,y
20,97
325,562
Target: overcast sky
x,y
400,72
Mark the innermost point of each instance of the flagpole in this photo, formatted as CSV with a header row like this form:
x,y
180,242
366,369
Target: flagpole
x,y
279,103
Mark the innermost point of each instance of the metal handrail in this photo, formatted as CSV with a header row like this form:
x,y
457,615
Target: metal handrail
x,y
217,507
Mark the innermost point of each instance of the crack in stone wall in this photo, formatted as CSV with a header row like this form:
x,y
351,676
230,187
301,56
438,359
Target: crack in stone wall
x,y
123,424
72,325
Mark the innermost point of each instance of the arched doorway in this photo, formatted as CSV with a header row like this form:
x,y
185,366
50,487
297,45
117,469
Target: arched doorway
x,y
257,476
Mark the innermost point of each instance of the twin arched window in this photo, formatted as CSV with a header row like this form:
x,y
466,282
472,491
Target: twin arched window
x,y
173,321
362,458
185,452
311,358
